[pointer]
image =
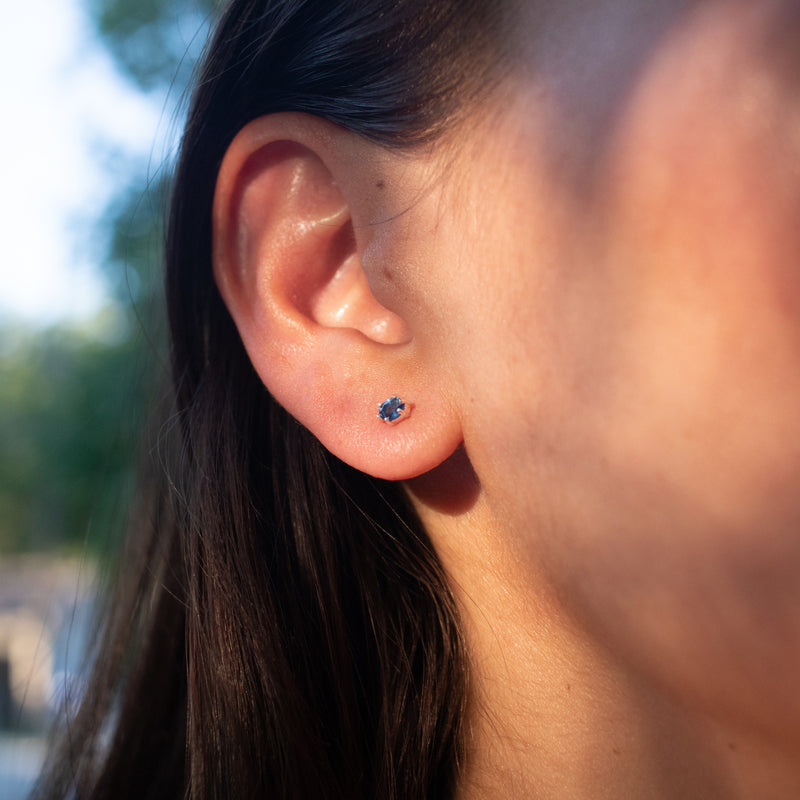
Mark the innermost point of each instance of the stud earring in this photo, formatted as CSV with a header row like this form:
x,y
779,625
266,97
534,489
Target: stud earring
x,y
394,410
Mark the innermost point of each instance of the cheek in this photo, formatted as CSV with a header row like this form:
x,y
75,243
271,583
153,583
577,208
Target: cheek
x,y
703,350
683,467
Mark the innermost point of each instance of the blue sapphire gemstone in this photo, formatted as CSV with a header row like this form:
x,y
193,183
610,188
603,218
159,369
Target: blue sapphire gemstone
x,y
392,410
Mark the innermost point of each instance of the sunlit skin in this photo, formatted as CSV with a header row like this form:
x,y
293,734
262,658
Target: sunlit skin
x,y
590,290
625,346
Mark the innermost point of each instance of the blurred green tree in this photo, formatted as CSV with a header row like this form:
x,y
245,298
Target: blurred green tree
x,y
73,400
156,43
69,428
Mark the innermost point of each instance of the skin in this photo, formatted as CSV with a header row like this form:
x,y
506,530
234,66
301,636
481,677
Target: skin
x,y
627,558
590,288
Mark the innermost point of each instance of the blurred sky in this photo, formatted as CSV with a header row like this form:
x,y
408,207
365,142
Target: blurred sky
x,y
68,124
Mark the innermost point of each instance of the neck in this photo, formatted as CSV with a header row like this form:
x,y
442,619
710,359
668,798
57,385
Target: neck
x,y
553,713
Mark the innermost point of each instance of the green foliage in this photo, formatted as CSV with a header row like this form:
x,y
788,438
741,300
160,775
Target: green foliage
x,y
73,401
155,41
72,415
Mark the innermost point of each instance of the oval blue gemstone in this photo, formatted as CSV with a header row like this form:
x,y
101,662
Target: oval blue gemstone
x,y
392,409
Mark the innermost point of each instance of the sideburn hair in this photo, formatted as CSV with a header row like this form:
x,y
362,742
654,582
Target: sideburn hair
x,y
282,626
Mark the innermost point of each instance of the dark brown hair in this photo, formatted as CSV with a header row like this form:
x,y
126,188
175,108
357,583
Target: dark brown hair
x,y
281,626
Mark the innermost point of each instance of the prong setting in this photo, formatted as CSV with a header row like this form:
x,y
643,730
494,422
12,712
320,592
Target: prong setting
x,y
393,410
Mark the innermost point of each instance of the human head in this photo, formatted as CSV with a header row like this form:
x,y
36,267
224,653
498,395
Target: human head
x,y
518,277
567,232
321,641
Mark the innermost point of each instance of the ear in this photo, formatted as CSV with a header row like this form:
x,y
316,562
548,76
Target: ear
x,y
288,261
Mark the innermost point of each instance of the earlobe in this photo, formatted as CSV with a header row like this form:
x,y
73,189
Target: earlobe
x,y
288,263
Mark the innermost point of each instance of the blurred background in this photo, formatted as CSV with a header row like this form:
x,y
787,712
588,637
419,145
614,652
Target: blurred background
x,y
92,98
